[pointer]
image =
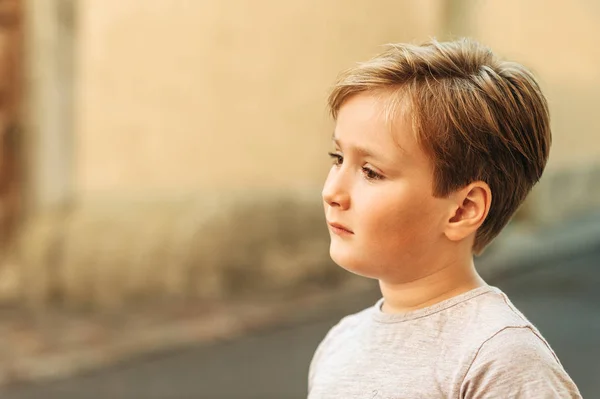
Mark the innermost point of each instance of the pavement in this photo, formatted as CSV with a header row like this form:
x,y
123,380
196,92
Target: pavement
x,y
552,276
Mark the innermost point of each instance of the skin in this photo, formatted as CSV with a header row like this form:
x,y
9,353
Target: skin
x,y
390,227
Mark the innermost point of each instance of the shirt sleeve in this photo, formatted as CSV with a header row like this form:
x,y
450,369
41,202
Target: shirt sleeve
x,y
517,363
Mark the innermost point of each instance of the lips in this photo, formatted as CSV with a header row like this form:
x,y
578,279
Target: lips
x,y
340,228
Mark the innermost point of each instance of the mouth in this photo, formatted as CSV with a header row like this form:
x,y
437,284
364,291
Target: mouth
x,y
339,229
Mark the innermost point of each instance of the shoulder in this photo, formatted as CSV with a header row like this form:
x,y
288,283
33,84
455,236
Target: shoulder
x,y
350,321
485,317
495,311
346,325
516,346
335,337
517,362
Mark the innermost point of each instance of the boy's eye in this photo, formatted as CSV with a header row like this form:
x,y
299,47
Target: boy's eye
x,y
370,174
337,158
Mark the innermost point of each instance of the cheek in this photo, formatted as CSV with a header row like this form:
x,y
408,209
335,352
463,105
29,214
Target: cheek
x,y
405,221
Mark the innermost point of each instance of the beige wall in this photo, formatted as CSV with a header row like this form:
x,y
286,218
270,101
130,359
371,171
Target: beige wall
x,y
178,97
196,95
184,96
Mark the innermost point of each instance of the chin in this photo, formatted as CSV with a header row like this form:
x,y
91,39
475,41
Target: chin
x,y
352,263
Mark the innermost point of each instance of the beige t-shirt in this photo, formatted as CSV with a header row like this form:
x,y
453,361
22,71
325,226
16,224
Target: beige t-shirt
x,y
475,345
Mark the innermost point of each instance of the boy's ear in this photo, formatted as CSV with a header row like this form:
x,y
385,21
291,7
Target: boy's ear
x,y
470,207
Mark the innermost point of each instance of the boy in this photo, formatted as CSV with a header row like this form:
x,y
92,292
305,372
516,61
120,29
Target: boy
x,y
436,146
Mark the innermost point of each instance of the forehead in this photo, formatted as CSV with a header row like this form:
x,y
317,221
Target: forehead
x,y
372,121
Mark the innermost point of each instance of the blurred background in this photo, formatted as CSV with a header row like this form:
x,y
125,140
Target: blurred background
x,y
161,161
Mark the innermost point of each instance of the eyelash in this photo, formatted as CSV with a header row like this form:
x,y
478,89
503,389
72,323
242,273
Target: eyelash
x,y
370,174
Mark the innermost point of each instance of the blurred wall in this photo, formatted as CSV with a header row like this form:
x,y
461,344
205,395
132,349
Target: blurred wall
x,y
203,95
11,65
180,96
178,147
10,90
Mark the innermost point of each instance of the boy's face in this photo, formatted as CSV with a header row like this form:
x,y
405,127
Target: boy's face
x,y
380,190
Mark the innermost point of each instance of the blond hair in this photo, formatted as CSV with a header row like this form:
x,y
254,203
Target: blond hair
x,y
476,117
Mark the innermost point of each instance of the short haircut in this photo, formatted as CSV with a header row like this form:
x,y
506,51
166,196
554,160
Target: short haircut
x,y
476,117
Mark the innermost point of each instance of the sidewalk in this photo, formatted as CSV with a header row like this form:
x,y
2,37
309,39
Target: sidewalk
x,y
59,344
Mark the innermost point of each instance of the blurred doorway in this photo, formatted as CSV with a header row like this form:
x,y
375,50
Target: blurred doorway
x,y
10,90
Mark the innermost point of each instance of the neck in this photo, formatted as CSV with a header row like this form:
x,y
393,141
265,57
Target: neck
x,y
446,282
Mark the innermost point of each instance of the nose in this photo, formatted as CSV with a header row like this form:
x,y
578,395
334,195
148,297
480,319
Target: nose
x,y
334,191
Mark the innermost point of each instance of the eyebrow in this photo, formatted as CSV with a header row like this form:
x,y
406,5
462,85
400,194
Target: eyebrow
x,y
361,150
